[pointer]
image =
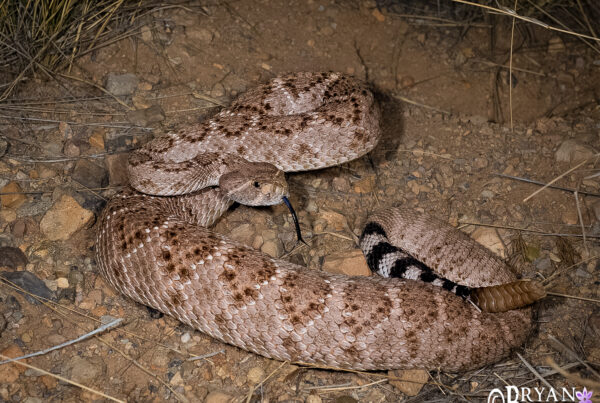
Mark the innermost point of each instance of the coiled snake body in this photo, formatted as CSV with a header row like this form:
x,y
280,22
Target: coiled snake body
x,y
156,249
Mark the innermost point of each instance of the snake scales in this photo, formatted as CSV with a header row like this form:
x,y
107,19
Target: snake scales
x,y
153,246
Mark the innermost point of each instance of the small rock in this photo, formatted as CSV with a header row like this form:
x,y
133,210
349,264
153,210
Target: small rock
x,y
148,116
410,382
30,283
406,81
350,262
116,165
8,216
487,194
271,248
23,226
64,218
71,148
311,206
570,217
572,151
243,233
255,375
12,257
176,380
84,370
14,198
341,184
490,239
62,282
9,373
121,84
335,221
217,396
144,86
480,162
555,45
365,185
203,35
186,337
217,91
378,16
313,399
96,140
89,174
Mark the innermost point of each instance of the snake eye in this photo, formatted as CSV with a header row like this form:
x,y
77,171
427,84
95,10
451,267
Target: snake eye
x,y
256,184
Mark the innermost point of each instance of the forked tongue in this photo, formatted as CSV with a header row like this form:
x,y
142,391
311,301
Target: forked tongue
x,y
295,218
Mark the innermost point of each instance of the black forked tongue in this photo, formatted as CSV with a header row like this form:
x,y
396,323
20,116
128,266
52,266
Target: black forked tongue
x,y
295,218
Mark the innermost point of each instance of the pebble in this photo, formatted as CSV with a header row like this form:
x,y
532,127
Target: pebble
x,y
335,221
412,380
12,200
116,165
570,217
186,337
365,185
217,396
176,380
340,184
378,15
255,375
203,35
490,239
350,262
121,84
8,216
9,373
84,370
71,149
487,194
64,218
572,151
96,141
62,282
313,399
90,174
217,91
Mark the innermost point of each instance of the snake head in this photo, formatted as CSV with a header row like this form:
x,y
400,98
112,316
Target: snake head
x,y
255,184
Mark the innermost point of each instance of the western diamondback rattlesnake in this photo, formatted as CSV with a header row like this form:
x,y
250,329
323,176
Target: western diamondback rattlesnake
x,y
156,250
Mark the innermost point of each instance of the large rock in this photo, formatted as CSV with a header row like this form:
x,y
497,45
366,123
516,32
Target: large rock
x,y
351,263
121,84
573,151
64,218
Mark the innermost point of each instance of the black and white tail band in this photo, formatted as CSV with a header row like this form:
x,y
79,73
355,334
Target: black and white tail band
x,y
388,260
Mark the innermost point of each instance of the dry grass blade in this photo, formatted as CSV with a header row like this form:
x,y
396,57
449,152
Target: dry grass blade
x,y
512,13
561,176
49,35
574,378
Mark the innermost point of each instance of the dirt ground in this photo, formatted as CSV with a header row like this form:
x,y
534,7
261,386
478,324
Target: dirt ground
x,y
448,139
